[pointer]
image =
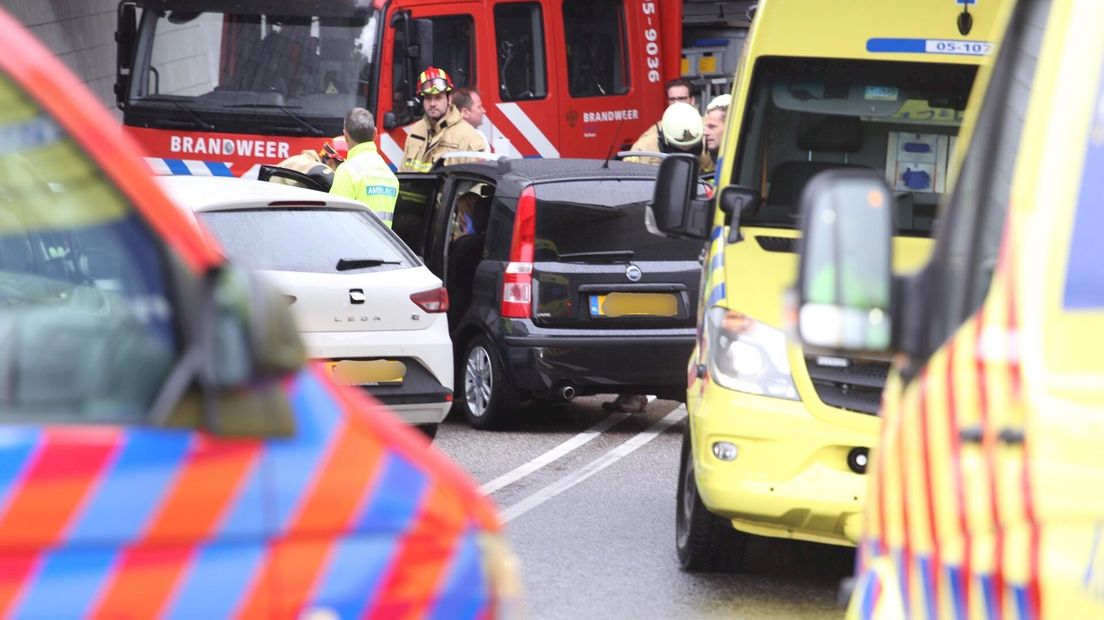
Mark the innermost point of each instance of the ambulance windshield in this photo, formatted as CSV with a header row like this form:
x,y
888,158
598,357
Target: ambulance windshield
x,y
295,72
808,115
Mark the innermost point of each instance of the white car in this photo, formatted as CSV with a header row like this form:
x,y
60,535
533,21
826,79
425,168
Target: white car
x,y
364,303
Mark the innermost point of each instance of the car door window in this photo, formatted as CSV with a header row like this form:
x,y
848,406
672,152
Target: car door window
x,y
519,36
594,33
414,210
453,51
967,251
87,332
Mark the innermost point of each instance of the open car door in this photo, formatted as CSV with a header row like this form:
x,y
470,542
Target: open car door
x,y
419,201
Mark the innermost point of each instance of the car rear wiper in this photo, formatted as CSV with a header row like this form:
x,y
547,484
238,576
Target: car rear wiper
x,y
314,131
198,121
346,264
606,256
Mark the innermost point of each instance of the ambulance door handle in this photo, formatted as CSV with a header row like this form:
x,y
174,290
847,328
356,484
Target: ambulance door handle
x,y
1011,436
970,434
1008,435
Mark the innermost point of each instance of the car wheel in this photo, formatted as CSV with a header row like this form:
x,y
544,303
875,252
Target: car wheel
x,y
488,400
705,542
429,430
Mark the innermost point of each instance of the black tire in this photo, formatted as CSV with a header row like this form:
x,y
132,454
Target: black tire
x,y
483,392
429,430
704,541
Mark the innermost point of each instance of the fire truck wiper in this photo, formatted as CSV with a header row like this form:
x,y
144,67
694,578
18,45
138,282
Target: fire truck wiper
x,y
314,131
198,120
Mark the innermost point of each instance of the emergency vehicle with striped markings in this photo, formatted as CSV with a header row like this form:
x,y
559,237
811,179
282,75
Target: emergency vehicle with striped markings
x,y
984,498
211,88
164,452
779,437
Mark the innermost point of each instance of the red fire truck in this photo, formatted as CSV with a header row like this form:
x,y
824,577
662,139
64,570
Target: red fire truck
x,y
214,87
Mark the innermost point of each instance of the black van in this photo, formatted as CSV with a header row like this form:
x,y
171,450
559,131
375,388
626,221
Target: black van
x,y
557,288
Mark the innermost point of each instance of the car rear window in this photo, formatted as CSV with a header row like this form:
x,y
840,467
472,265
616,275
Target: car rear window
x,y
599,220
313,240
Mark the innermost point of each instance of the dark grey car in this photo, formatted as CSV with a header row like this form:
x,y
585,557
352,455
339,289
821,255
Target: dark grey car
x,y
557,288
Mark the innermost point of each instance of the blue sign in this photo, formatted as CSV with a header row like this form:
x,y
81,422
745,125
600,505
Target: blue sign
x,y
1085,273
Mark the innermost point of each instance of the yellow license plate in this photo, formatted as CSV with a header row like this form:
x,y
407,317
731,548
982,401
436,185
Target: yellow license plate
x,y
368,372
633,304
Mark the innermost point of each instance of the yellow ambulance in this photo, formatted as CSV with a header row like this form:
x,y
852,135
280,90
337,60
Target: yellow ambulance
x,y
986,495
777,442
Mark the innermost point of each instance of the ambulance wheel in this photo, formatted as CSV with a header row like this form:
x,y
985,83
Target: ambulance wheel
x,y
704,541
486,397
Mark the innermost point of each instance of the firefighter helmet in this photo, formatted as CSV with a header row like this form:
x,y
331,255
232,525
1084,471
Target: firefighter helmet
x,y
682,125
336,150
720,102
434,81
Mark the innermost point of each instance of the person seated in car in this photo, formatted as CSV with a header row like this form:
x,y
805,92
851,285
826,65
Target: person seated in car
x,y
465,252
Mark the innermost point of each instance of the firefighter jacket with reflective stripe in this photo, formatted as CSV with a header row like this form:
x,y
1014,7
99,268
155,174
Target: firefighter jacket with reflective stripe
x,y
428,141
366,177
649,141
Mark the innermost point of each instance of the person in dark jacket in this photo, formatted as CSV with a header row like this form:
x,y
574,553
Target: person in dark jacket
x,y
465,252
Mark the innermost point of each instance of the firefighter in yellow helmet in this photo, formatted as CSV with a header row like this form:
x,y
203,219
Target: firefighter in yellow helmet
x,y
679,131
442,129
364,175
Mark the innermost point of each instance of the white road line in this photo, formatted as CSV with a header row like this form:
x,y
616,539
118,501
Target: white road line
x,y
552,455
611,457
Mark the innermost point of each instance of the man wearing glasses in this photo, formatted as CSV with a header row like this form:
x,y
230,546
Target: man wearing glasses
x,y
680,91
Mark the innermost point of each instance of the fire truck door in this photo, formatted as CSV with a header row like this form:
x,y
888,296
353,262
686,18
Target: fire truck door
x,y
608,94
522,101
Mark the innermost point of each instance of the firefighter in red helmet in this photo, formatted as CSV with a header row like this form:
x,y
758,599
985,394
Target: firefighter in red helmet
x,y
441,130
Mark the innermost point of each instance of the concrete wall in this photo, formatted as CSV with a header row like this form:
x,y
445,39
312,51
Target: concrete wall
x,y
80,32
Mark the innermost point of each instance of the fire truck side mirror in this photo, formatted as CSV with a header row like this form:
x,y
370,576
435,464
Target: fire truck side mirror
x,y
421,43
412,52
126,33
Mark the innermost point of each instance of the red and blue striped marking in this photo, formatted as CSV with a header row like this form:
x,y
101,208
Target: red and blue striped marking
x,y
163,523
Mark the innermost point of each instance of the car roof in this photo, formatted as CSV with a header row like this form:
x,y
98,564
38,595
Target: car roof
x,y
227,193
527,171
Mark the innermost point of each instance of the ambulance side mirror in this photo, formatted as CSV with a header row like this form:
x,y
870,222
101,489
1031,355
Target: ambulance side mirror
x,y
845,280
676,209
245,344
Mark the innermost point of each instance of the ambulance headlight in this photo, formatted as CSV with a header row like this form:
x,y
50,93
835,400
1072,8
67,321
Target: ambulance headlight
x,y
747,355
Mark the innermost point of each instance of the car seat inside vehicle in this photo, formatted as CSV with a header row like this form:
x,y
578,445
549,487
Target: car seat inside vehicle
x,y
834,139
804,117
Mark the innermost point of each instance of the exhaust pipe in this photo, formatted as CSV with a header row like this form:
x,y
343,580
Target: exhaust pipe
x,y
567,392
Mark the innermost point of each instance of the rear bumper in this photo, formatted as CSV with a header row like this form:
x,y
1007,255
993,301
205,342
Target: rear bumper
x,y
431,348
640,363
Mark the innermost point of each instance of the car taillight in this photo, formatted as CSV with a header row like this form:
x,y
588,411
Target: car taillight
x,y
433,301
517,281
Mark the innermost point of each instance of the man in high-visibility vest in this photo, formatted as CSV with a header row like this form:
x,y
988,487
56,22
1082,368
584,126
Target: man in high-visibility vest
x,y
364,175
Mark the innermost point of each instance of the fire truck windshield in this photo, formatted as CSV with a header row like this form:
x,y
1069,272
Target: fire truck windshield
x,y
292,73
